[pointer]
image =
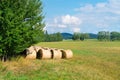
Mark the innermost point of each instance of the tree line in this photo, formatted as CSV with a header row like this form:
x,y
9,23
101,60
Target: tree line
x,y
52,37
58,37
108,36
101,36
80,36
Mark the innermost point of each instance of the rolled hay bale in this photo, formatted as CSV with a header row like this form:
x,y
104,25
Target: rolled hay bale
x,y
67,54
37,48
30,53
55,48
45,48
43,54
56,54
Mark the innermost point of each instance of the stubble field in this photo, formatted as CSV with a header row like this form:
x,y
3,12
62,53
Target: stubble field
x,y
92,60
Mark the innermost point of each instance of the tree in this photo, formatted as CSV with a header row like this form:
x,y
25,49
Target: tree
x,y
80,36
84,36
115,36
46,37
104,36
76,36
59,36
21,25
53,37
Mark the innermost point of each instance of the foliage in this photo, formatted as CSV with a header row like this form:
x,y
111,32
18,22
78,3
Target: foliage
x,y
115,36
84,36
76,36
53,37
104,36
21,22
108,36
80,36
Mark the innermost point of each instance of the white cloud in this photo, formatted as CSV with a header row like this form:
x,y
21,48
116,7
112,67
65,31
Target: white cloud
x,y
64,23
62,26
56,25
76,29
101,5
71,20
112,6
86,8
90,18
55,20
101,15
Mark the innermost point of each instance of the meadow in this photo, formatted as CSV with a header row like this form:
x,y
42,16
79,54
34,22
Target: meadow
x,y
92,60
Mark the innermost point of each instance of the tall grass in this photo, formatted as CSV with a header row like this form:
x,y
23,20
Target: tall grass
x,y
92,60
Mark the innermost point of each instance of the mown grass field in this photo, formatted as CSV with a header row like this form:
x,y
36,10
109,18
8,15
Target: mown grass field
x,y
93,60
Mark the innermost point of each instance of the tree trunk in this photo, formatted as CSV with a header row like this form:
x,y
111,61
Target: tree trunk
x,y
4,58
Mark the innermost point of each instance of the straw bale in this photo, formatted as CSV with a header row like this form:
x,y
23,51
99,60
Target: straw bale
x,y
44,54
56,54
37,48
45,48
67,54
30,53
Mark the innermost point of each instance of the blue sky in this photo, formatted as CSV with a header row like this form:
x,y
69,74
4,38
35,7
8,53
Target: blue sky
x,y
83,16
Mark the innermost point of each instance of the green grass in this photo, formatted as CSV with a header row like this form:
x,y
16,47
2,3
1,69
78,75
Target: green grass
x,y
93,60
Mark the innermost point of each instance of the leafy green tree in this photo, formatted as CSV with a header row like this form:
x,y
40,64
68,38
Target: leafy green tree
x,y
76,36
46,37
84,36
59,36
53,37
104,36
21,25
115,36
80,36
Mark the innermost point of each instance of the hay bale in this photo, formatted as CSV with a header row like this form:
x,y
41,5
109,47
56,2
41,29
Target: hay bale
x,y
44,54
30,53
67,54
45,48
56,54
37,48
29,50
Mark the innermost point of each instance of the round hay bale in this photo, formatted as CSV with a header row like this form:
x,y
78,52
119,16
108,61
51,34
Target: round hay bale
x,y
43,54
37,48
29,50
30,53
67,54
56,54
45,48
